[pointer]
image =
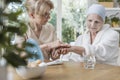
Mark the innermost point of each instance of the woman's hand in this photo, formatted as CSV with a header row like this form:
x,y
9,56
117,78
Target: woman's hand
x,y
61,49
64,50
52,45
55,54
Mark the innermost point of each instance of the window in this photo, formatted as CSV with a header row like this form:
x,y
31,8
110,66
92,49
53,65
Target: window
x,y
70,16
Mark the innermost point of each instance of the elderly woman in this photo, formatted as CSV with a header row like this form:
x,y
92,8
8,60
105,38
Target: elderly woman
x,y
100,40
38,27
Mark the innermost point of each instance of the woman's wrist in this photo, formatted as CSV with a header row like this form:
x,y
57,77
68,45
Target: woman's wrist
x,y
71,49
77,49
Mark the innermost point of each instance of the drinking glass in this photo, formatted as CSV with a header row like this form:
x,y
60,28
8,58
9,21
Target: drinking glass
x,y
89,61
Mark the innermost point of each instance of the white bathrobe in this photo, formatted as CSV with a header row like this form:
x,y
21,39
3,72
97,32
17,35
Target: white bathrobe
x,y
105,46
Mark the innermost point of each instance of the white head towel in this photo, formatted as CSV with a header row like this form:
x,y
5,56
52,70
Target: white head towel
x,y
97,9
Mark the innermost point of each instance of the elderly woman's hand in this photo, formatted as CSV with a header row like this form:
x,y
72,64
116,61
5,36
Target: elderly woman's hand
x,y
55,54
61,49
64,51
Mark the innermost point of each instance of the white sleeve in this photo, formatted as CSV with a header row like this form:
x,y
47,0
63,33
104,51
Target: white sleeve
x,y
107,48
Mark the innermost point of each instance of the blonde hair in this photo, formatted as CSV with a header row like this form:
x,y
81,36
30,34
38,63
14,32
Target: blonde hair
x,y
38,6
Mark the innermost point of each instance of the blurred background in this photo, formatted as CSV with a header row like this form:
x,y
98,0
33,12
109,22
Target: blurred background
x,y
68,16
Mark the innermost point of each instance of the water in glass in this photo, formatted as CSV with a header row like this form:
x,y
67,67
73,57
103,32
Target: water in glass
x,y
89,61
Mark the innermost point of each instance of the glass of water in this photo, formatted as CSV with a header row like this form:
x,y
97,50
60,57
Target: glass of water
x,y
89,61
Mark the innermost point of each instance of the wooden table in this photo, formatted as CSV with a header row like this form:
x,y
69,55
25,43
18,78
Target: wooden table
x,y
76,71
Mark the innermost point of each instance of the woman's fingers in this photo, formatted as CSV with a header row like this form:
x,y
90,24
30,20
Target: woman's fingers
x,y
64,51
55,54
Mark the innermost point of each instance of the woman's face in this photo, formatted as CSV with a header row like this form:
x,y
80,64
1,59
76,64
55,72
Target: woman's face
x,y
94,22
41,19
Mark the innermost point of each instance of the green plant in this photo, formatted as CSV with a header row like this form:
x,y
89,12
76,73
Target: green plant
x,y
118,0
107,20
115,19
67,32
9,26
73,19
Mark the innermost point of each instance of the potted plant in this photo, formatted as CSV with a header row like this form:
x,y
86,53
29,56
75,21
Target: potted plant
x,y
9,26
115,21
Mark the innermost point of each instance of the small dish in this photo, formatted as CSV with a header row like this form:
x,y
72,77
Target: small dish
x,y
31,72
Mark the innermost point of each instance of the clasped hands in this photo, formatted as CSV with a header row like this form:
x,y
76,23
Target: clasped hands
x,y
58,48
